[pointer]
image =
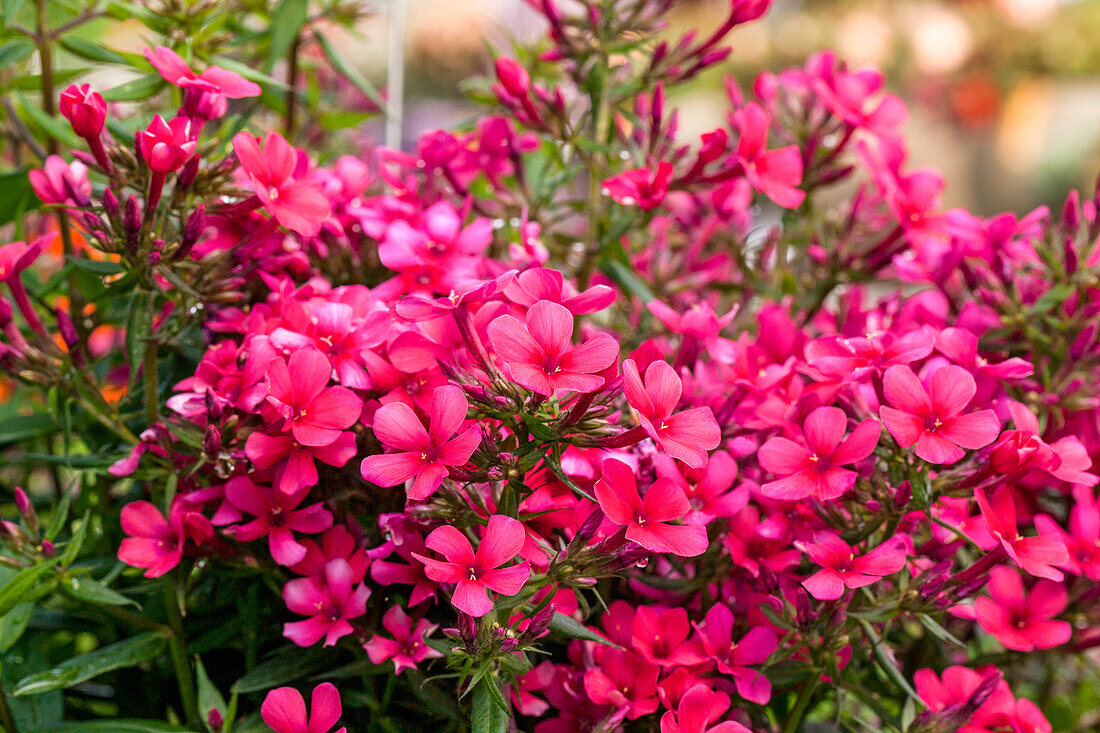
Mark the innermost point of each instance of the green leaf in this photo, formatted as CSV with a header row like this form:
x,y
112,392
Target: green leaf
x,y
92,51
54,126
13,624
264,80
886,660
72,549
21,428
128,653
139,326
1051,298
490,712
127,11
284,666
16,195
11,8
114,726
18,589
99,267
137,90
15,51
92,591
627,279
351,73
286,24
939,631
209,696
570,628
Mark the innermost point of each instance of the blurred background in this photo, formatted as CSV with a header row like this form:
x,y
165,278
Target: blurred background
x,y
1004,95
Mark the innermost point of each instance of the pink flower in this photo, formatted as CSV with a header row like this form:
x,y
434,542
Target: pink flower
x,y
647,520
298,205
314,413
1036,555
734,658
686,435
474,573
277,518
984,692
641,187
407,647
166,146
775,173
206,92
58,182
1023,622
709,490
156,543
660,635
699,707
85,110
330,600
810,467
284,710
1083,538
624,681
841,568
931,418
540,355
423,455
299,470
852,358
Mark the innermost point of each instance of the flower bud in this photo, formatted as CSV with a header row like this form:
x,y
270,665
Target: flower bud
x,y
110,205
85,110
903,494
166,146
48,548
192,230
212,441
131,222
188,173
214,720
513,77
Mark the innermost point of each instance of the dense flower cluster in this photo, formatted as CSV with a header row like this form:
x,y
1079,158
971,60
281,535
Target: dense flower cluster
x,y
475,442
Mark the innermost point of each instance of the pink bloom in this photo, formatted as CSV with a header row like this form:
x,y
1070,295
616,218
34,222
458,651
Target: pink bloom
x,y
215,83
841,568
852,358
734,658
299,470
314,413
540,355
475,572
284,710
1036,555
330,600
435,250
961,347
931,418
700,324
85,110
58,182
156,543
709,490
1023,622
624,681
686,435
543,283
810,467
407,647
641,187
277,518
298,205
647,520
423,455
699,707
660,636
1083,538
775,173
962,687
1028,718
166,146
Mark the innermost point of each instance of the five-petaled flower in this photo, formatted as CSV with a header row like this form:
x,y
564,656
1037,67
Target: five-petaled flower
x,y
840,567
686,435
284,709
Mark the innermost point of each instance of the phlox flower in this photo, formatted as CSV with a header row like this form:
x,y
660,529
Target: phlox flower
x,y
686,435
277,518
841,567
1023,621
647,519
314,413
1083,538
775,173
983,693
699,707
540,354
811,466
931,418
624,681
214,83
423,455
156,543
1036,555
330,600
709,489
284,710
642,187
734,658
276,174
407,647
475,573
299,470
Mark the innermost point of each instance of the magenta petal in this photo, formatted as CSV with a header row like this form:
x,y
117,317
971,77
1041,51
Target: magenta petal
x,y
551,326
142,519
324,708
594,355
457,450
335,407
507,581
306,633
617,492
427,480
906,427
284,710
904,391
285,550
470,596
860,444
664,500
752,685
823,428
934,448
396,425
511,341
504,538
824,585
974,430
452,544
950,390
390,469
886,559
792,488
449,406
782,456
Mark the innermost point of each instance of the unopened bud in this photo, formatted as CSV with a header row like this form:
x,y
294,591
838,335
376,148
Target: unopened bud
x,y
903,494
212,441
188,173
192,230
110,205
48,549
214,720
513,77
131,222
540,622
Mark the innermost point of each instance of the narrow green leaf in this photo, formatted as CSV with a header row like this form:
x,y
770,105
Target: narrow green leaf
x,y
210,698
92,51
627,279
351,73
264,80
99,267
939,631
286,24
284,666
18,589
92,591
139,326
489,712
72,549
15,51
21,428
137,90
128,653
16,195
886,660
13,624
114,726
53,126
570,628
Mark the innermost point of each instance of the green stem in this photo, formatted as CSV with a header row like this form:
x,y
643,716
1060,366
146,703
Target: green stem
x,y
6,718
801,705
177,645
289,121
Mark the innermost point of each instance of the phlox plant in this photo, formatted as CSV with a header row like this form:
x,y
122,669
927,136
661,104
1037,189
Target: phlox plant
x,y
555,422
